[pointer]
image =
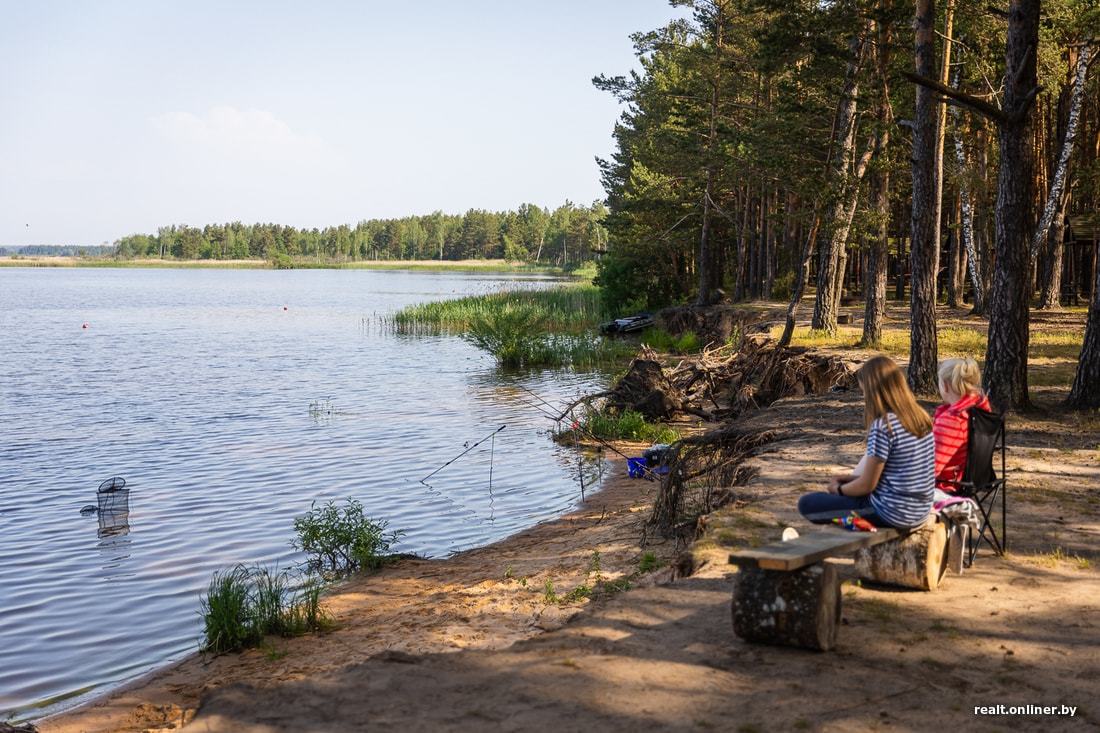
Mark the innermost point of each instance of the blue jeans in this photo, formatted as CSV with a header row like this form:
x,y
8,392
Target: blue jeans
x,y
821,508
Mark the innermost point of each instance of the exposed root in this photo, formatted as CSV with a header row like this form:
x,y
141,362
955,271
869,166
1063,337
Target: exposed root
x,y
703,471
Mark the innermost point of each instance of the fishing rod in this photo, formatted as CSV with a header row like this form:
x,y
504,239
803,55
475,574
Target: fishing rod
x,y
576,426
468,449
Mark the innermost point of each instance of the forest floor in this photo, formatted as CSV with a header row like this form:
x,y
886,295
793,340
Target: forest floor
x,y
481,641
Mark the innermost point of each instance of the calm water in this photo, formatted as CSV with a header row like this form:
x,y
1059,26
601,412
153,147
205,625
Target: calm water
x,y
196,387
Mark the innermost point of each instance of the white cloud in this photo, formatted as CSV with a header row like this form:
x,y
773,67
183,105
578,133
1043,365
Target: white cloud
x,y
249,134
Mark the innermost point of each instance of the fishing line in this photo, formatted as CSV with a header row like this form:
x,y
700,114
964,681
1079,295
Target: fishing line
x,y
468,449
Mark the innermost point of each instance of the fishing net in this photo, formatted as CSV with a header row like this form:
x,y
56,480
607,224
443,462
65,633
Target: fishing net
x,y
113,499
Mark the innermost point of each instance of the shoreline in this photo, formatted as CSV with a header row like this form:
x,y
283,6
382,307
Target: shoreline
x,y
505,581
32,261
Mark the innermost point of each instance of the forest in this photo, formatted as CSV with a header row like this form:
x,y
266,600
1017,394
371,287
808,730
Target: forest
x,y
564,237
941,153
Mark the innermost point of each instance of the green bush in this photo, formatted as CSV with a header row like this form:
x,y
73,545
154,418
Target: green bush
x,y
281,261
342,539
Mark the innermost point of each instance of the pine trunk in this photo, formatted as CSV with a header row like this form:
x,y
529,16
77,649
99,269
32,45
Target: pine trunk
x,y
922,298
1085,393
836,222
1006,353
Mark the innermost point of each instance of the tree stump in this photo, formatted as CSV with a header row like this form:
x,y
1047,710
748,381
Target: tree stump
x,y
797,608
917,560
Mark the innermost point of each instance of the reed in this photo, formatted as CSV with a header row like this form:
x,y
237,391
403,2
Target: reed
x,y
572,309
228,623
244,604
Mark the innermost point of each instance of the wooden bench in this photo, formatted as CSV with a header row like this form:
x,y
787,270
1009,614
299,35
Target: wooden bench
x,y
787,594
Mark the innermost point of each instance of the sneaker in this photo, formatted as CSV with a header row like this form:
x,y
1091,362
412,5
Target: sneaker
x,y
790,533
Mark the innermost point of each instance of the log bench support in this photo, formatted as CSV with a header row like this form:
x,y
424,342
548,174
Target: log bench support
x,y
788,595
788,608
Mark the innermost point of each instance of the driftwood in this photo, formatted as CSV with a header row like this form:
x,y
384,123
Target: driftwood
x,y
799,608
917,560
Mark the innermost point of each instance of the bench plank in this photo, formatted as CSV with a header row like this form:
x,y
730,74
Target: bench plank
x,y
809,549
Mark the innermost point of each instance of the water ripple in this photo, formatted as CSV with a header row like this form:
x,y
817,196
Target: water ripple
x,y
195,386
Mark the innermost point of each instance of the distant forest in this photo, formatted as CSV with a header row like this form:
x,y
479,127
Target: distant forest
x,y
56,250
565,237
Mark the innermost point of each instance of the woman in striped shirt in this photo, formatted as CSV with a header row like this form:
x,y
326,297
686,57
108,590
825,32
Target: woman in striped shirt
x,y
893,485
960,388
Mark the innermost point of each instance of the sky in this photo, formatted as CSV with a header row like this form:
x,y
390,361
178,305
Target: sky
x,y
119,117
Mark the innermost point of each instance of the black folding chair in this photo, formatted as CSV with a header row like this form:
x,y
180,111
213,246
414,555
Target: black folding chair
x,y
985,439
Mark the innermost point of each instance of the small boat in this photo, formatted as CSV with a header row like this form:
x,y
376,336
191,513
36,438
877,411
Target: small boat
x,y
629,324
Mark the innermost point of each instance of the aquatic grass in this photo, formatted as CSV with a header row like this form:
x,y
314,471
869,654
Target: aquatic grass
x,y
571,309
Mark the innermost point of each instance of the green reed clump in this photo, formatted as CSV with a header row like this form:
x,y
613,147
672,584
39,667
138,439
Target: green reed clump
x,y
226,612
628,425
244,604
572,309
341,538
517,336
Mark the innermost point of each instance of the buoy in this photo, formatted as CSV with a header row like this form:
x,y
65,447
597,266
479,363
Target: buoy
x,y
85,324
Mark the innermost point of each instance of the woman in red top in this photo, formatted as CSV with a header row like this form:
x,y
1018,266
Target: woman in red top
x,y
960,388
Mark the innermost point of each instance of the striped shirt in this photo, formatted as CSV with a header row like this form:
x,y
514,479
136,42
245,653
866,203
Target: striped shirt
x,y
951,428
903,496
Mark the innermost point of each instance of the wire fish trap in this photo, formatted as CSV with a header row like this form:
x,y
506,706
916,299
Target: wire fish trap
x,y
113,502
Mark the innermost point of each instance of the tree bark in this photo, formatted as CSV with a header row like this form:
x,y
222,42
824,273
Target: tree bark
x,y
917,560
1006,352
875,279
922,298
709,273
837,220
941,129
1085,392
799,608
966,229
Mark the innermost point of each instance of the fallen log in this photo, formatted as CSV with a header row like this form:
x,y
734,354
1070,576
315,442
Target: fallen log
x,y
917,560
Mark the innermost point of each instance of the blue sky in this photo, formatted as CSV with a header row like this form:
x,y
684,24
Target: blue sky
x,y
118,117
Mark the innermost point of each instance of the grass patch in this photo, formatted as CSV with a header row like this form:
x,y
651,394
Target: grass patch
x,y
628,425
648,562
242,605
1058,556
661,340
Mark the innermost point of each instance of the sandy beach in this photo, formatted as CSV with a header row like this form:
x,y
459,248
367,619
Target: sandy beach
x,y
476,635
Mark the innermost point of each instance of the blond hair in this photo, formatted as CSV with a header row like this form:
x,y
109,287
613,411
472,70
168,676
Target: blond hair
x,y
961,376
885,390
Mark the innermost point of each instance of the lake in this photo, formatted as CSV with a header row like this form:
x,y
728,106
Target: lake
x,y
201,389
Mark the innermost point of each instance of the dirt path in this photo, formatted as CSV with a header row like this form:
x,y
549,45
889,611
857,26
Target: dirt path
x,y
1019,630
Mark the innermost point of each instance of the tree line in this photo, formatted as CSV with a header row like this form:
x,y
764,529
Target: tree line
x,y
566,237
770,149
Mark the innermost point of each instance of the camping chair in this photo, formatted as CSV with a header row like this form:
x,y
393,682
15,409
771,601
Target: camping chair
x,y
985,438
